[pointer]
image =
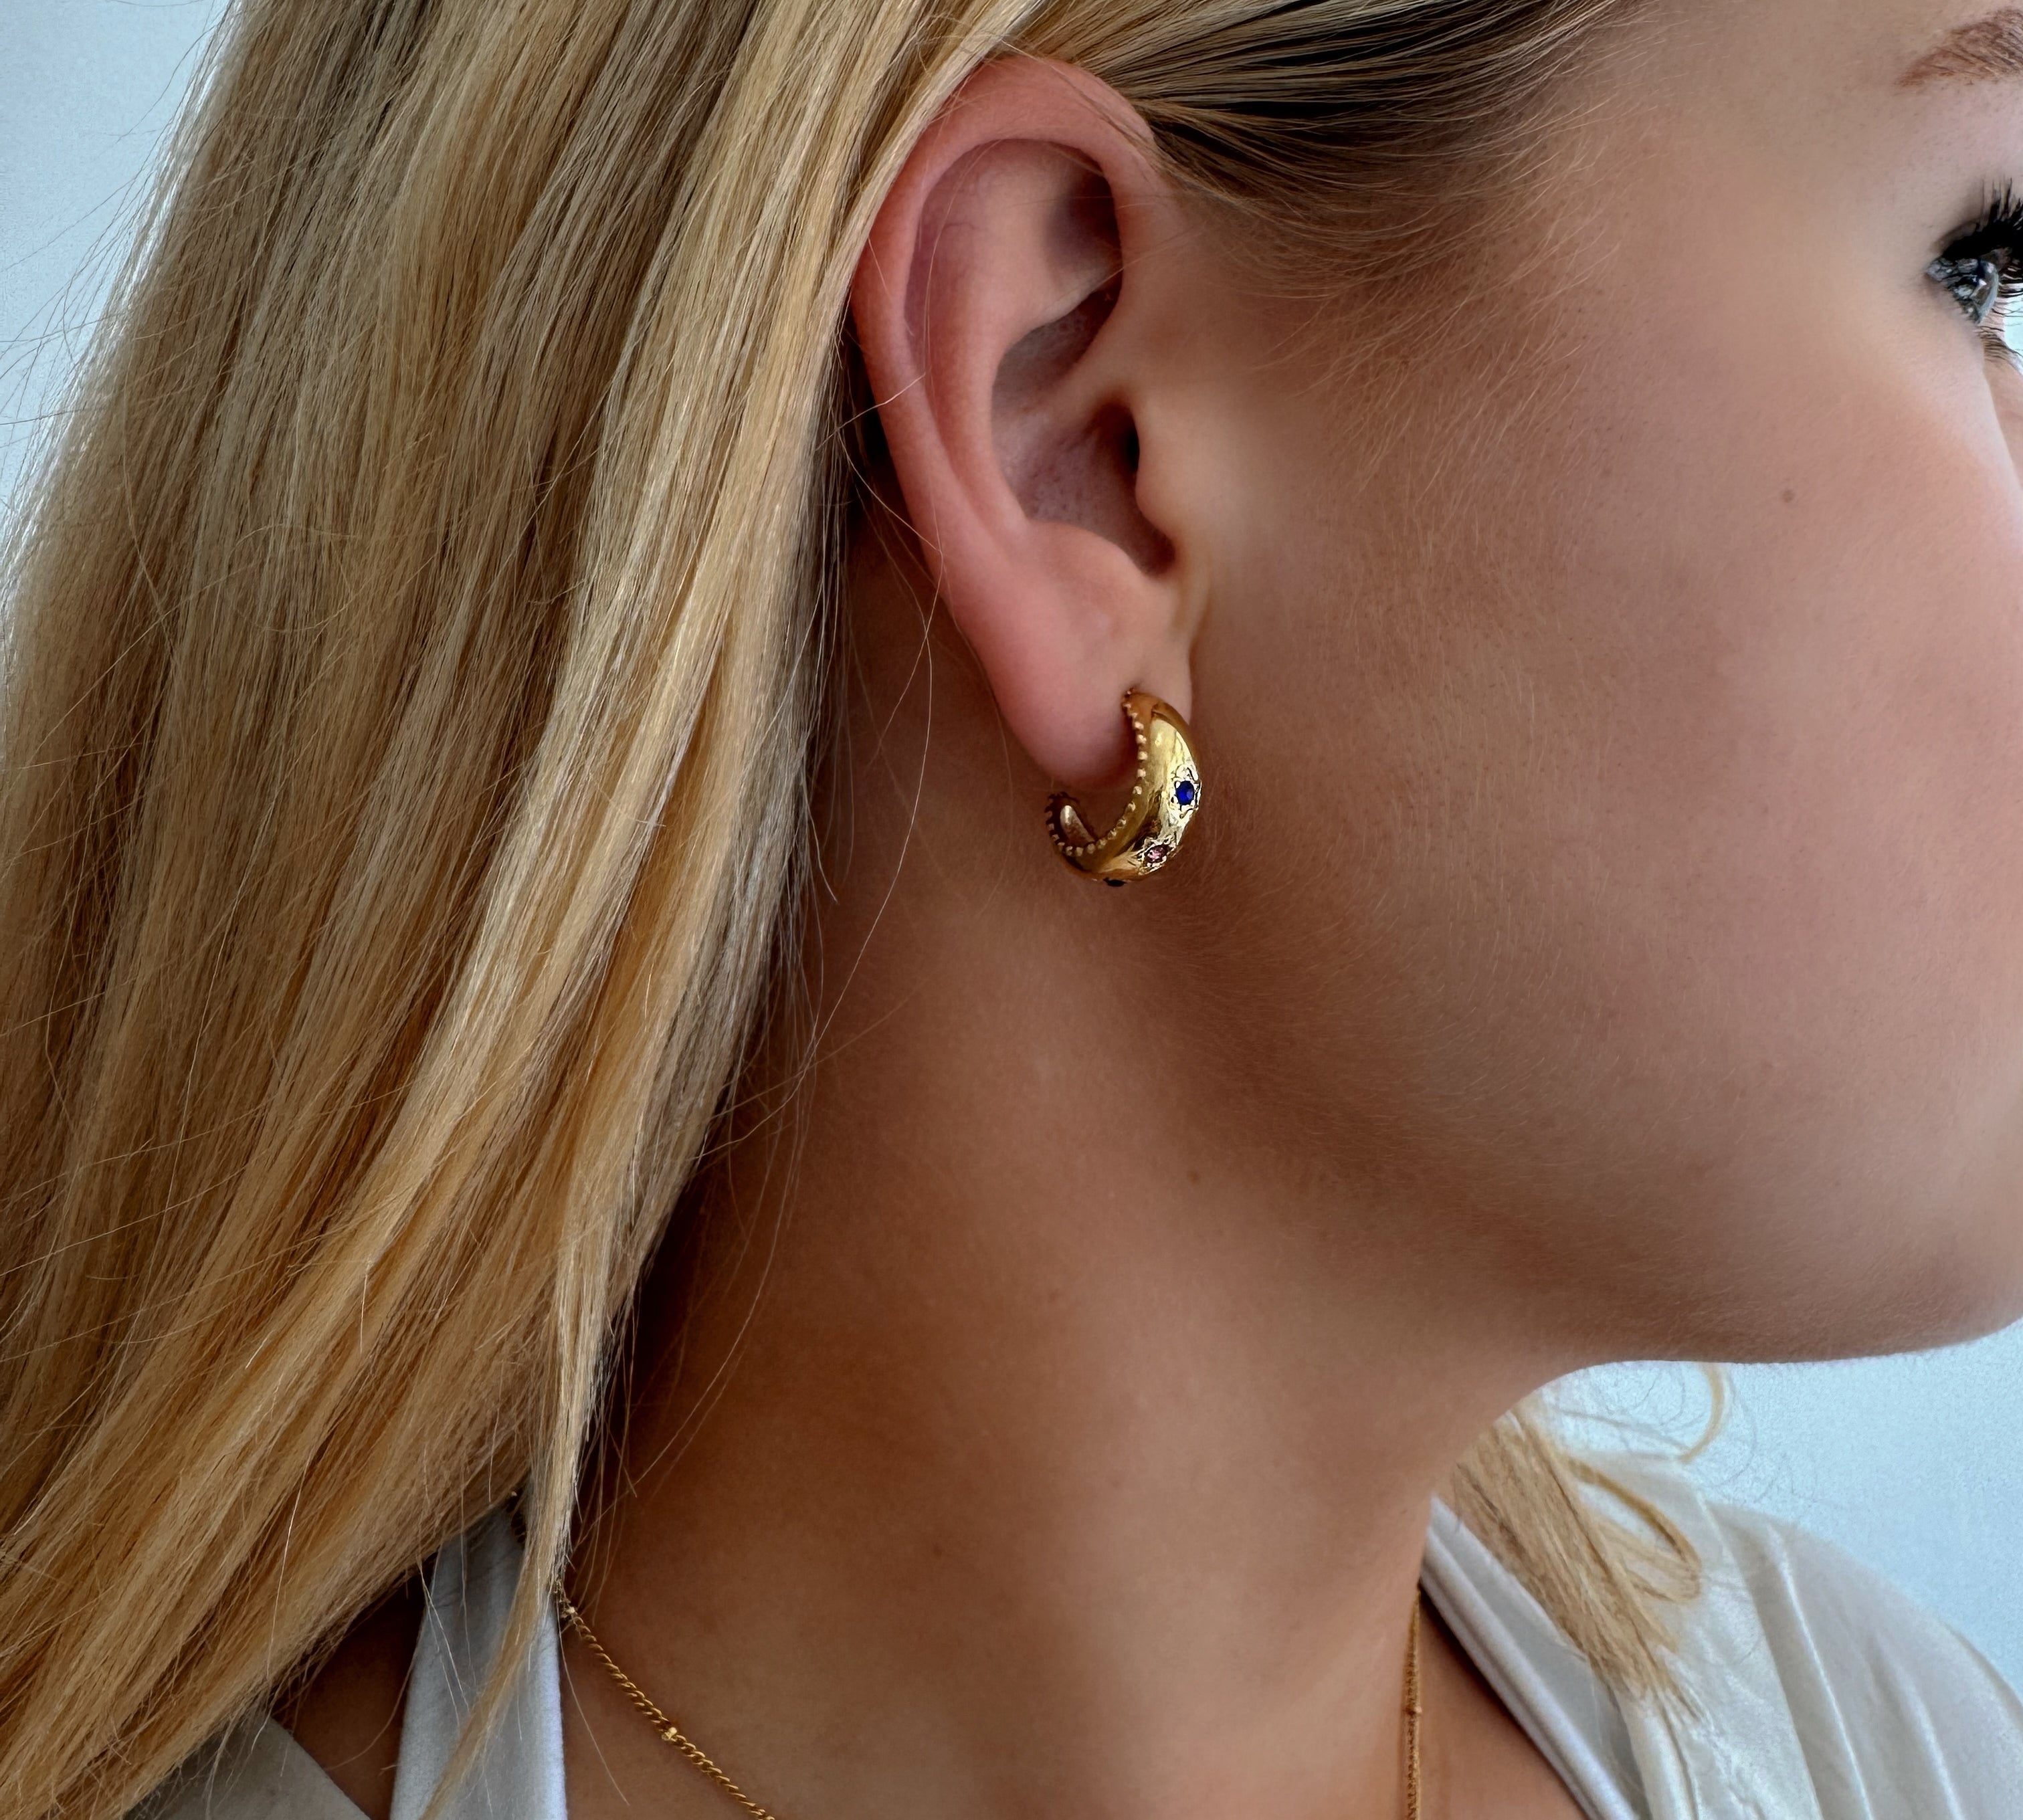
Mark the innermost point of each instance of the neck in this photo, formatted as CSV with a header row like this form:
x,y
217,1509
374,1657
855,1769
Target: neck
x,y
1034,1442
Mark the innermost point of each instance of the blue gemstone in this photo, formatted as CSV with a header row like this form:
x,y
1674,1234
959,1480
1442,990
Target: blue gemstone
x,y
1183,793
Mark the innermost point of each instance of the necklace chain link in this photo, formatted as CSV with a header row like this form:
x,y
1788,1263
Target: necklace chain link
x,y
673,1733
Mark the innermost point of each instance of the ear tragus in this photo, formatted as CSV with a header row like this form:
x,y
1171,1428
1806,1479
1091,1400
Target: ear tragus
x,y
1083,473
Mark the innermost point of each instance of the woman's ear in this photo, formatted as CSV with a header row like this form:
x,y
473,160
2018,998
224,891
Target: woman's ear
x,y
1016,309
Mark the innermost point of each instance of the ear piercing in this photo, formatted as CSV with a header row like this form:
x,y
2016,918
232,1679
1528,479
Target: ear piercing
x,y
1165,794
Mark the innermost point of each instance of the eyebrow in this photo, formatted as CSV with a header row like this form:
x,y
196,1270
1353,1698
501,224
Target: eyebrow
x,y
1983,50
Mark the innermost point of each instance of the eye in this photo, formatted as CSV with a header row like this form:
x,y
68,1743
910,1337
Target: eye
x,y
1974,281
1981,268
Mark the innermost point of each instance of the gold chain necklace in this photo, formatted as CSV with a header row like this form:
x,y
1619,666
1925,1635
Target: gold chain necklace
x,y
673,1733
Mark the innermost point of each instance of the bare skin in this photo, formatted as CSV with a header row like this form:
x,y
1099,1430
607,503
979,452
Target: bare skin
x,y
1603,938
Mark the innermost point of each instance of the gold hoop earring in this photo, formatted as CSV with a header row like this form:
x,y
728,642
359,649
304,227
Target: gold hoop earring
x,y
1164,796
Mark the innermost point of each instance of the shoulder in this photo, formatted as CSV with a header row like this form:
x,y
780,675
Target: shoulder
x,y
263,1772
1881,1689
256,1771
1896,1712
329,1753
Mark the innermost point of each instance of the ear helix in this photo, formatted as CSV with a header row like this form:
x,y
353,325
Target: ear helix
x,y
1165,794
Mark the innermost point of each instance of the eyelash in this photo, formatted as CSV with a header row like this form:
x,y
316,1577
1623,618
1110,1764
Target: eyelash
x,y
1981,269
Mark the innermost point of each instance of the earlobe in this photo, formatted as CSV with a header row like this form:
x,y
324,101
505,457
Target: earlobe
x,y
1009,312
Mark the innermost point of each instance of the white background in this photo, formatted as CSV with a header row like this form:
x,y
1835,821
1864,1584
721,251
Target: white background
x,y
1913,1464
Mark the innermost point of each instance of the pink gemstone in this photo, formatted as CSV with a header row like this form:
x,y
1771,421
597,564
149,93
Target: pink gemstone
x,y
1154,854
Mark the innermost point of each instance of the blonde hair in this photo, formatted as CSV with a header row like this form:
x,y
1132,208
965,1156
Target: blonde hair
x,y
414,665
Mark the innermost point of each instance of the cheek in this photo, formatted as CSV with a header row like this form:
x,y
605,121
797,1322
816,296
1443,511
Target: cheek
x,y
1769,836
1629,790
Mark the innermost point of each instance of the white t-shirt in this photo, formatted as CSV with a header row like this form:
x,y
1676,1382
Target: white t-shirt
x,y
1824,1692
